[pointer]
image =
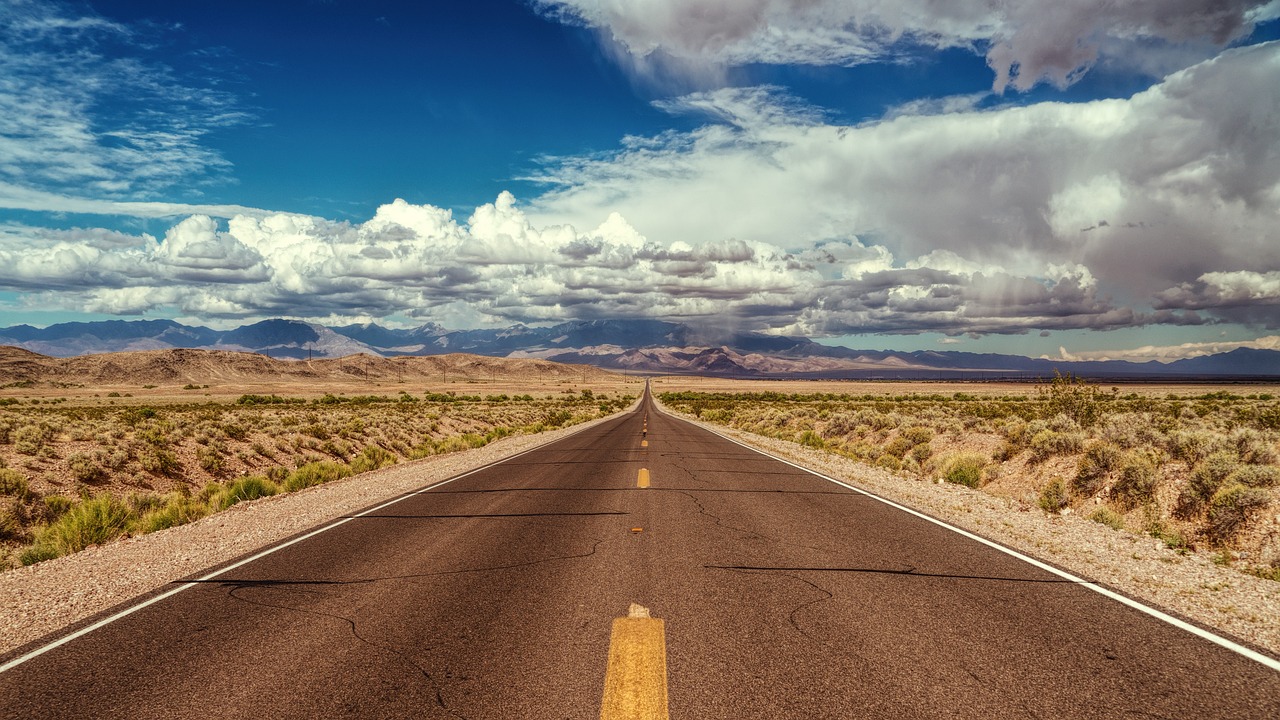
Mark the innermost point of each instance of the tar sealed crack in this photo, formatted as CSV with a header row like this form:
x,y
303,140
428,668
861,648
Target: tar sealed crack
x,y
235,590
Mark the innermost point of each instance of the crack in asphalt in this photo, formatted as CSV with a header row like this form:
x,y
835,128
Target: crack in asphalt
x,y
719,522
296,586
436,690
791,616
910,572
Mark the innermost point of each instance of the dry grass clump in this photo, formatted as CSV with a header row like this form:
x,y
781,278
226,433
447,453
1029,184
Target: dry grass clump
x,y
1196,471
76,476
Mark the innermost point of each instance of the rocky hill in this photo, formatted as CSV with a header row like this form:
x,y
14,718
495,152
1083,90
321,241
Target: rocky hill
x,y
22,367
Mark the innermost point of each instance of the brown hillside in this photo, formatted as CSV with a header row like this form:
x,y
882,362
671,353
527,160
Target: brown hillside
x,y
220,367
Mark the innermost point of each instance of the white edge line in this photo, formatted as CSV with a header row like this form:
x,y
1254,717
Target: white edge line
x,y
192,583
1123,599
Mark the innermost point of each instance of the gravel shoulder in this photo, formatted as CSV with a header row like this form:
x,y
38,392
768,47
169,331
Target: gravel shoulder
x,y
1187,585
50,596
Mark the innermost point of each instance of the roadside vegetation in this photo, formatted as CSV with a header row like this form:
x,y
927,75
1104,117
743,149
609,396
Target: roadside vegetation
x,y
1196,472
73,477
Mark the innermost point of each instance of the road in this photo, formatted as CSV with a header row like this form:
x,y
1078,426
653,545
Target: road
x,y
780,595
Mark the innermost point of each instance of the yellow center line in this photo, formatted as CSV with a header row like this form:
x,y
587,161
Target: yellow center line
x,y
635,684
644,443
642,480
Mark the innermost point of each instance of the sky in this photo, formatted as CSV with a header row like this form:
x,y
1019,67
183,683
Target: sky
x,y
1076,180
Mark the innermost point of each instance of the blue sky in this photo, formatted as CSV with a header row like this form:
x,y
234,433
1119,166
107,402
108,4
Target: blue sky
x,y
1072,181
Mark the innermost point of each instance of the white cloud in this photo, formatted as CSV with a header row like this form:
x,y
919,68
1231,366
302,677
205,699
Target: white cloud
x,y
1170,353
78,119
1118,200
499,266
1024,42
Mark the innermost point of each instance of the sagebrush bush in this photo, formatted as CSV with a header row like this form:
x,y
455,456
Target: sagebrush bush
x,y
1260,476
11,521
965,469
1054,496
14,484
372,458
85,468
1099,459
1107,516
1230,510
1207,478
1138,480
1048,443
31,439
160,461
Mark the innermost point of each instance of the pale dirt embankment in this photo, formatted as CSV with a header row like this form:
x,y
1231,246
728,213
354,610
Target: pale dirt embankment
x,y
1187,585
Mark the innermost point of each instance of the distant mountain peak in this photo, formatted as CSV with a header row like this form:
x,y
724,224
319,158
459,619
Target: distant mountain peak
x,y
640,344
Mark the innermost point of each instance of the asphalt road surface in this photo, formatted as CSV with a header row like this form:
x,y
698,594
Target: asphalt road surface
x,y
780,595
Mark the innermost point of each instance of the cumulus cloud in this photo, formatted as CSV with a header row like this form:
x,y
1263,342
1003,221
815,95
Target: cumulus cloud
x,y
1158,201
1024,42
78,115
500,266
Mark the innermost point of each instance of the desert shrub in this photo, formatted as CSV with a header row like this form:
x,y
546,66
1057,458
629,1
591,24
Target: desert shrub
x,y
57,505
899,446
178,509
315,473
1262,476
1072,397
243,489
1138,479
37,553
839,425
134,416
1207,478
1107,516
1253,447
1192,447
1230,510
85,468
372,458
1047,443
889,462
918,434
235,431
31,439
14,484
1172,539
160,461
1130,430
210,458
965,469
1053,496
317,431
94,521
1099,459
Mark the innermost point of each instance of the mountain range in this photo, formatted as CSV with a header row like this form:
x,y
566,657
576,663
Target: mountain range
x,y
650,346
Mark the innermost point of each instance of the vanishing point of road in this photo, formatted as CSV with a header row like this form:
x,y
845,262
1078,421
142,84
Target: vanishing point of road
x,y
643,567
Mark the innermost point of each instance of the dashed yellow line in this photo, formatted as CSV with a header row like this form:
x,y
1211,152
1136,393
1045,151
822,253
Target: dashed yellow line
x,y
644,443
635,684
642,480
